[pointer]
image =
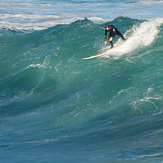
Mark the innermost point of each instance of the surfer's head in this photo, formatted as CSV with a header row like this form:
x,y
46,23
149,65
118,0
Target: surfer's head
x,y
107,26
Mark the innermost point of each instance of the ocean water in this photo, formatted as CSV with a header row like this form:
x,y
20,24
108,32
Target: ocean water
x,y
56,107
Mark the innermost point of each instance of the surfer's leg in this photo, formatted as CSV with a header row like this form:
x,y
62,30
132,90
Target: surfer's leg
x,y
111,35
110,40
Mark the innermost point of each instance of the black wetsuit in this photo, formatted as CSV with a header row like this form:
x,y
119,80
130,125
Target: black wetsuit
x,y
113,32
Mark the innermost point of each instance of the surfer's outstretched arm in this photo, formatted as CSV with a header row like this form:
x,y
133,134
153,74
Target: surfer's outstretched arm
x,y
119,34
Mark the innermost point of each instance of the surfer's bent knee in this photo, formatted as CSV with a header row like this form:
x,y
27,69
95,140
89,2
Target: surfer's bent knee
x,y
110,38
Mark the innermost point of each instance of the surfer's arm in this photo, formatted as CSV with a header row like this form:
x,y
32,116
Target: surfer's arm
x,y
119,34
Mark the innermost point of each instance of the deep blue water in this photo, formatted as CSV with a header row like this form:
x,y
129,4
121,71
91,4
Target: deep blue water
x,y
56,107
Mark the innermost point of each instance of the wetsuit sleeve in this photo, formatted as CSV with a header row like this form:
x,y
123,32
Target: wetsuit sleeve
x,y
105,35
118,33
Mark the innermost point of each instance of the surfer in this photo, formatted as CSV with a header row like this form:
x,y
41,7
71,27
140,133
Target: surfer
x,y
113,32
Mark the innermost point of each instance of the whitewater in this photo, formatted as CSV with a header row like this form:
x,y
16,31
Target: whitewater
x,y
57,107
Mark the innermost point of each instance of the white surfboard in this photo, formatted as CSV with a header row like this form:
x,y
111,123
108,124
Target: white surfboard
x,y
102,53
96,55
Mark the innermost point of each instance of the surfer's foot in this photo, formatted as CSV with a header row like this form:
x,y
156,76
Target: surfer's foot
x,y
111,47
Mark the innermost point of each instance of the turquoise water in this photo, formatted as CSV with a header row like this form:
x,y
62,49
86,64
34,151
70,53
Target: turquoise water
x,y
56,107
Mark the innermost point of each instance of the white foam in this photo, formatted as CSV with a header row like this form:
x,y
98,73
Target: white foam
x,y
35,22
149,2
28,16
97,19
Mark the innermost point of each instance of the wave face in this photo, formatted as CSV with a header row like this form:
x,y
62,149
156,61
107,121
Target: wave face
x,y
54,106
